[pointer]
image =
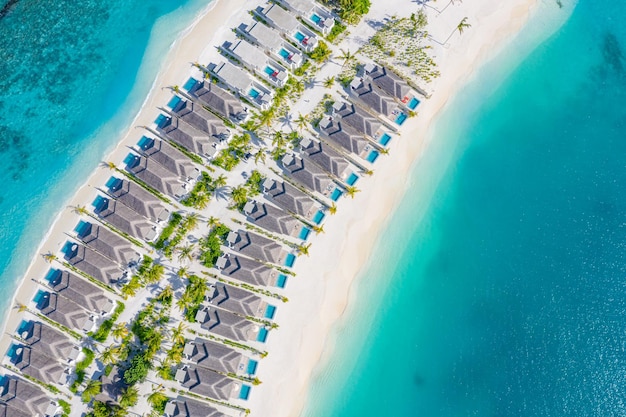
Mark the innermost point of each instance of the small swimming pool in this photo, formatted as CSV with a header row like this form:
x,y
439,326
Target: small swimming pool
x,y
174,102
384,139
191,83
319,216
291,258
315,18
251,368
413,103
281,281
40,296
372,156
262,337
24,327
100,203
53,276
82,228
269,312
401,118
299,36
304,233
269,70
253,93
284,53
114,184
161,120
145,143
245,392
336,194
352,179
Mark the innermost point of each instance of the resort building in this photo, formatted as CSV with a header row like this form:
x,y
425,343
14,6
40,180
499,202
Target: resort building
x,y
256,61
271,41
92,263
155,175
187,136
218,100
137,198
388,81
111,386
64,311
107,243
257,247
200,118
35,364
207,383
22,398
274,220
287,23
308,174
124,218
289,198
345,136
215,356
328,159
226,324
48,340
79,290
373,97
169,157
312,14
236,300
247,270
357,118
240,81
186,407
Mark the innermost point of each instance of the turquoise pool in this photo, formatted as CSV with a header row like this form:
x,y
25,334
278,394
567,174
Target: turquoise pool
x,y
413,103
251,369
174,102
113,184
245,392
291,258
352,179
336,194
281,281
284,53
161,120
401,118
253,93
53,276
304,233
372,156
40,296
299,36
269,70
191,83
262,337
145,143
319,216
24,327
100,203
384,139
82,228
269,312
315,18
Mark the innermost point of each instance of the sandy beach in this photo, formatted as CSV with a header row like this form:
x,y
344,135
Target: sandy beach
x,y
319,294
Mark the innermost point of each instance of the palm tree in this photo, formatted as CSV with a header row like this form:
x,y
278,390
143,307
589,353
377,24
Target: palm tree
x,y
185,254
278,140
182,272
109,355
220,181
463,25
131,287
153,343
302,121
120,331
318,229
332,209
346,57
167,293
129,397
178,333
111,165
81,210
49,257
304,249
213,221
261,155
265,118
92,389
156,395
239,195
329,81
183,302
175,354
202,201
351,191
191,221
176,89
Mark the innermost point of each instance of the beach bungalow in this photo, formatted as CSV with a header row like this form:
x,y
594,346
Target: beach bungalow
x,y
270,40
187,136
256,61
186,407
168,156
246,270
242,83
309,175
218,100
82,292
236,300
112,386
257,247
35,364
137,198
345,136
373,97
314,15
92,263
24,397
124,218
155,175
287,23
357,118
389,82
274,220
64,311
289,198
107,243
48,340
197,116
328,159
209,384
215,356
226,324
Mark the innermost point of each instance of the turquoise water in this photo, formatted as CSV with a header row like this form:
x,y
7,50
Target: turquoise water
x,y
508,297
73,74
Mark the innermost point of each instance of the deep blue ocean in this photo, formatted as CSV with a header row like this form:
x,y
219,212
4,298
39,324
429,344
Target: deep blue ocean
x,y
506,295
73,75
